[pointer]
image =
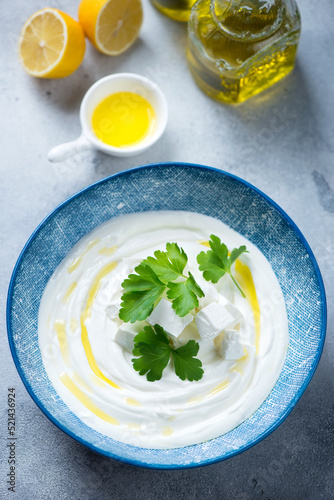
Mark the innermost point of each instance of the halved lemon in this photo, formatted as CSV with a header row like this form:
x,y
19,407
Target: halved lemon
x,y
111,25
51,44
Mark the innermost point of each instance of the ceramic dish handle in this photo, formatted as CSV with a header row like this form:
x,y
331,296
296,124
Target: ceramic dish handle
x,y
68,149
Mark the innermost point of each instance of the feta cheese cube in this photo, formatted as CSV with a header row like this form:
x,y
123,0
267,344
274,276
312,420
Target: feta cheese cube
x,y
216,317
127,332
229,346
113,310
231,308
165,316
189,333
210,293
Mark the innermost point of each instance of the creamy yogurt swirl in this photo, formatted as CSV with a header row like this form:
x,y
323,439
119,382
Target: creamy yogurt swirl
x,y
94,375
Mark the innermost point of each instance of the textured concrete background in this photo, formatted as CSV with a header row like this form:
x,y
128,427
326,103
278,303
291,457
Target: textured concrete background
x,y
292,163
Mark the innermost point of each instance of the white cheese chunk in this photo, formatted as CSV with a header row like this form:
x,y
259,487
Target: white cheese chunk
x,y
165,316
231,308
127,332
229,346
113,310
210,293
189,333
210,290
216,317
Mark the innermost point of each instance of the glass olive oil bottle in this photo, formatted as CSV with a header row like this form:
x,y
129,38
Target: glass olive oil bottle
x,y
238,48
179,10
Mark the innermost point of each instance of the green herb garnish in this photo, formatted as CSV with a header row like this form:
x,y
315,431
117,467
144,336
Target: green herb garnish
x,y
154,275
142,290
155,350
168,265
184,295
215,262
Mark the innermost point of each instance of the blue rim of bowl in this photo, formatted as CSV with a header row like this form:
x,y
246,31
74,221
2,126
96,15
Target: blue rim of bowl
x,y
209,461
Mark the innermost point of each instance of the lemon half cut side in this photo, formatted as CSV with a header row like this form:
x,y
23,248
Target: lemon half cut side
x,y
51,44
112,26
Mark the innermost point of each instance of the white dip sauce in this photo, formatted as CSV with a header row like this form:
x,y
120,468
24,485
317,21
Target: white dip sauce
x,y
94,375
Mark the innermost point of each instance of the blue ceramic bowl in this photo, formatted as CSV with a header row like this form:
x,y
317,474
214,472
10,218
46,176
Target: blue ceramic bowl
x,y
173,187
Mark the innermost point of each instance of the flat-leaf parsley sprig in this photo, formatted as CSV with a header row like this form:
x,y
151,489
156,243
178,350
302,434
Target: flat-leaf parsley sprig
x,y
153,276
154,350
216,262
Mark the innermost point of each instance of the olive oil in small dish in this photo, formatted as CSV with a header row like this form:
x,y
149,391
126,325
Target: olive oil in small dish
x,y
121,115
123,119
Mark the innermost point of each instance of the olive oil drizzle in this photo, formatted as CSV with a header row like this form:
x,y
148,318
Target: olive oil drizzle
x,y
86,314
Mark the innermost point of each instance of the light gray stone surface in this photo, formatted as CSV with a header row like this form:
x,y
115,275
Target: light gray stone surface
x,y
292,163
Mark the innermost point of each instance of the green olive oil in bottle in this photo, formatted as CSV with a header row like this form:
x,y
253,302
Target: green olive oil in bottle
x,y
238,48
179,10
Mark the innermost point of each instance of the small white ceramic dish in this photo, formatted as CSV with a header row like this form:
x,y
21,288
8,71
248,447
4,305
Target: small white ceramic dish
x,y
120,82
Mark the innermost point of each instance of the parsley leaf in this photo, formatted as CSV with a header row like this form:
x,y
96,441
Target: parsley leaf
x,y
142,290
154,275
185,295
215,262
168,265
154,351
153,347
186,365
157,337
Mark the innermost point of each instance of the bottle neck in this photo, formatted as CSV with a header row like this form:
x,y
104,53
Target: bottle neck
x,y
248,19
